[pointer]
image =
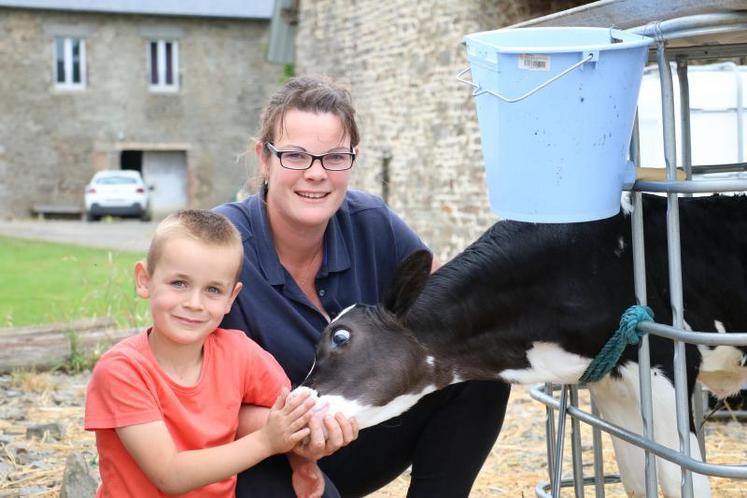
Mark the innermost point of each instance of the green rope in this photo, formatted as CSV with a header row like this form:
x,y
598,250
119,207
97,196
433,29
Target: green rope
x,y
627,333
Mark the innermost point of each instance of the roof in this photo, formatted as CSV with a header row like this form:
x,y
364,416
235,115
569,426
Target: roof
x,y
281,46
626,14
244,9
715,27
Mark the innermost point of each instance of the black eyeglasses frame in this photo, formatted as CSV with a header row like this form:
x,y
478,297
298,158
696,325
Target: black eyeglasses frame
x,y
279,154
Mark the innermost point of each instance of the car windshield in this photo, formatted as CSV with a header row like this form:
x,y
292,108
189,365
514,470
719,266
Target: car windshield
x,y
116,180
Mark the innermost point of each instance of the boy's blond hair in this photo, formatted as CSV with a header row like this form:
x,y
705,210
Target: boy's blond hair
x,y
199,224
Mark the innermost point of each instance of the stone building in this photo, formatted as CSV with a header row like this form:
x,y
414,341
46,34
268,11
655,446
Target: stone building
x,y
172,89
420,145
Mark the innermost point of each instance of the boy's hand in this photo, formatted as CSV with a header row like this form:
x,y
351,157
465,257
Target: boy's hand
x,y
286,422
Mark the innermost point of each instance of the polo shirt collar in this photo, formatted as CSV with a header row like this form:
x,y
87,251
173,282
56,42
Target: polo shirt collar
x,y
336,254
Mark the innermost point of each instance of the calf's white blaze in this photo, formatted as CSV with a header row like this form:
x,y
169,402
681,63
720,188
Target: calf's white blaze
x,y
548,363
618,400
368,415
342,313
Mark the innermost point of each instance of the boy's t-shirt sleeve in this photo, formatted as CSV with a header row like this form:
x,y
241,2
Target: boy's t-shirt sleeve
x,y
264,377
119,395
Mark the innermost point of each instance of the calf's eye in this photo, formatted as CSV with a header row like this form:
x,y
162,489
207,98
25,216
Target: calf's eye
x,y
341,337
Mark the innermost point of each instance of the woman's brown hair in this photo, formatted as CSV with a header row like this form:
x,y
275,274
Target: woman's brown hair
x,y
310,94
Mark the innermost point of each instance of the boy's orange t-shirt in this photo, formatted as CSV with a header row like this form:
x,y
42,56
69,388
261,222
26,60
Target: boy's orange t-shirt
x,y
128,387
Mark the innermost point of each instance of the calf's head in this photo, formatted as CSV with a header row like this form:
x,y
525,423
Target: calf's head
x,y
368,364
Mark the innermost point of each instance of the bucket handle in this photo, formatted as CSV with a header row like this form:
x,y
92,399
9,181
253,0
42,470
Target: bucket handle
x,y
478,90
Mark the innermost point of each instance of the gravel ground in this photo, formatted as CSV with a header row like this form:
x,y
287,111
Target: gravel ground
x,y
53,402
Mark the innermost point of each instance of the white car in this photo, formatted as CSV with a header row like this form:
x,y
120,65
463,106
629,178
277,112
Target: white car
x,y
117,193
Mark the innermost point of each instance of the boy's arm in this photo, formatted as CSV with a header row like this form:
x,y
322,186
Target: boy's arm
x,y
176,472
251,418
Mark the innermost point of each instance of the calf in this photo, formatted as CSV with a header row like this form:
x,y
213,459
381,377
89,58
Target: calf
x,y
533,303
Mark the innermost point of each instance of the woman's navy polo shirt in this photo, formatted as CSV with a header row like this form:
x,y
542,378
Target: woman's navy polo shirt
x,y
363,244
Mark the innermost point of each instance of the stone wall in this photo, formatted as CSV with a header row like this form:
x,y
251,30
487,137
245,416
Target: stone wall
x,y
52,141
420,141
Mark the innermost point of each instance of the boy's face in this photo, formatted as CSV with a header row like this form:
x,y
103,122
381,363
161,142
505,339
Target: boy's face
x,y
192,286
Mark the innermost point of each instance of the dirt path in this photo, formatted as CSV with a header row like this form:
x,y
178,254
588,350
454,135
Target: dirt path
x,y
123,235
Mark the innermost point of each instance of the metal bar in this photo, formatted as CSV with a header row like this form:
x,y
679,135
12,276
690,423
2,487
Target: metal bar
x,y
716,470
695,32
725,414
697,52
577,457
687,162
644,355
699,417
667,111
687,165
596,438
694,186
542,488
740,115
694,337
558,465
720,168
686,26
674,260
704,169
549,435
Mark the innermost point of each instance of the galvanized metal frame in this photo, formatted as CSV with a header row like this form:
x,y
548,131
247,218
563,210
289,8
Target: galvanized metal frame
x,y
567,403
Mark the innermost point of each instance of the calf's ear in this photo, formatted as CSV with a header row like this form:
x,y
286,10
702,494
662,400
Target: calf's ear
x,y
408,281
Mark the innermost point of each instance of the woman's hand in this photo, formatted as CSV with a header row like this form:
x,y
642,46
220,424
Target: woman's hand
x,y
327,435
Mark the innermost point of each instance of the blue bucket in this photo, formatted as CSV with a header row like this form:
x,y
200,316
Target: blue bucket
x,y
556,108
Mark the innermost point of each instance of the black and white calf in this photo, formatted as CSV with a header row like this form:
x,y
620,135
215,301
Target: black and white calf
x,y
532,303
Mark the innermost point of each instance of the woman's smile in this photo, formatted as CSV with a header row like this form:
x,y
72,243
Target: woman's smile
x,y
312,195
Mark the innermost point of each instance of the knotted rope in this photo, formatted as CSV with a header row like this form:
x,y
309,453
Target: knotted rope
x,y
627,333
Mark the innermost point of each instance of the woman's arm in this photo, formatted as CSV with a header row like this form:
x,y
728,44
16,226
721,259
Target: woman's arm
x,y
176,472
307,478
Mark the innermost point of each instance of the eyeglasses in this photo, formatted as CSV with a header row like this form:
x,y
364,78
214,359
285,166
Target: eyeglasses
x,y
299,160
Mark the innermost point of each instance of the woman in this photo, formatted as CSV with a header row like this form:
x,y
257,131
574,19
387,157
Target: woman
x,y
312,248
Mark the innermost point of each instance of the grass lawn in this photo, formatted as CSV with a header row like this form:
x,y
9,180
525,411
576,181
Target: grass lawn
x,y
42,282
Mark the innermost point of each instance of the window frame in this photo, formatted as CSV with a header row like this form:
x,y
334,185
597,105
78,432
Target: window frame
x,y
161,84
68,63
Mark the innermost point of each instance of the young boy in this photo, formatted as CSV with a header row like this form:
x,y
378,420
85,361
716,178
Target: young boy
x,y
165,403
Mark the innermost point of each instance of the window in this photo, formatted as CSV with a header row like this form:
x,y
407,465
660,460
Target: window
x,y
163,65
69,62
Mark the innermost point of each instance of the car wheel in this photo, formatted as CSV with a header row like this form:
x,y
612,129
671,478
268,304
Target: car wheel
x,y
91,217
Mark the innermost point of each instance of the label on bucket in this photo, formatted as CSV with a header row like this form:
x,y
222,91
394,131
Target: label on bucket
x,y
532,62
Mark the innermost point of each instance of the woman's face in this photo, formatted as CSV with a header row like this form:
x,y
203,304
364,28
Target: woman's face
x,y
308,198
